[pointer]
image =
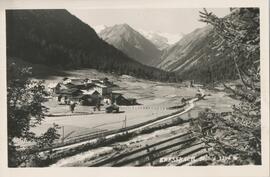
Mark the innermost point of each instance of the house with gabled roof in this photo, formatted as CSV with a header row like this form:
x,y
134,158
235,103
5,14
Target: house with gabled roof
x,y
70,92
102,89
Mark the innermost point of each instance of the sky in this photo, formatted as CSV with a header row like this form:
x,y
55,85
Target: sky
x,y
175,21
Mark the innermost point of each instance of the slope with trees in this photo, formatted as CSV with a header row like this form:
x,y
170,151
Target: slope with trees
x,y
57,38
193,58
236,136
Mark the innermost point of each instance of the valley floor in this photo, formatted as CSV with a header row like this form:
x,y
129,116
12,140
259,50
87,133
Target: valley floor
x,y
155,99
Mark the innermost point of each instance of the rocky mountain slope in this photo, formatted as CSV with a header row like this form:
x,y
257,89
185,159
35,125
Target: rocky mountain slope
x,y
132,43
183,54
195,58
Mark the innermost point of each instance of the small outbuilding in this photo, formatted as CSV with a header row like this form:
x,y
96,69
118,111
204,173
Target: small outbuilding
x,y
119,99
132,101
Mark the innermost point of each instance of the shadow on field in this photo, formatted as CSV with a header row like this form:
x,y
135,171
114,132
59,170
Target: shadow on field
x,y
81,114
70,114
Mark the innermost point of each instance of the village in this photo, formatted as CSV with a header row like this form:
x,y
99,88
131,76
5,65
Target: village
x,y
89,92
104,102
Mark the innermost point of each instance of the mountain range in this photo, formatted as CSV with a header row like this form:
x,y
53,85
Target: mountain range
x,y
58,39
191,57
161,40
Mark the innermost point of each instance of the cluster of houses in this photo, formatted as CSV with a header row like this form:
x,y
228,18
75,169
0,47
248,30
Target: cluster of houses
x,y
91,92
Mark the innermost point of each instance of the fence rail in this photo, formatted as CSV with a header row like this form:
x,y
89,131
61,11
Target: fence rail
x,y
152,107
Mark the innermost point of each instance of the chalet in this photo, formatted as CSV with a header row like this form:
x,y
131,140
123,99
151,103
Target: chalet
x,y
75,83
87,100
71,92
102,89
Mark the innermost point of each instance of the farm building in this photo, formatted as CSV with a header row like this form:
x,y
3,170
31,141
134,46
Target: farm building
x,y
119,99
132,101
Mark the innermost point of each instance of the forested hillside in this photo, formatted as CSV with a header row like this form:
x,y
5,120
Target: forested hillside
x,y
57,38
194,56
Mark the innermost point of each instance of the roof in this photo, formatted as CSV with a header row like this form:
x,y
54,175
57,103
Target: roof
x,y
70,91
100,85
90,92
77,81
52,85
69,85
74,85
89,85
116,94
65,78
131,99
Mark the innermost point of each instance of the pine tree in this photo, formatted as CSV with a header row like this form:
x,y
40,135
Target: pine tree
x,y
238,134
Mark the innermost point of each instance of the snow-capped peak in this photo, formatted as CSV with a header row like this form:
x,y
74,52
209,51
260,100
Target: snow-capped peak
x,y
171,38
99,28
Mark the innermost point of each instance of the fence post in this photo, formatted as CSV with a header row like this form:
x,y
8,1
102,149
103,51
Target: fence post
x,y
63,134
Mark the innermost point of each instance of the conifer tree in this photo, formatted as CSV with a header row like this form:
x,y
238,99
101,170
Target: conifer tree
x,y
238,134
